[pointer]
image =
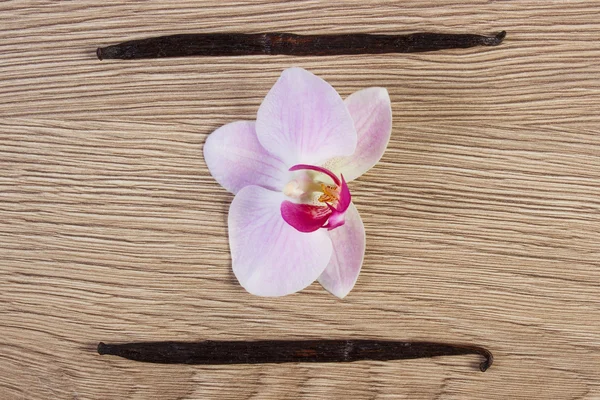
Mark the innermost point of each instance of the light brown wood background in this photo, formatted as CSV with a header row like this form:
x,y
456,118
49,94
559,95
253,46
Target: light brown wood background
x,y
483,217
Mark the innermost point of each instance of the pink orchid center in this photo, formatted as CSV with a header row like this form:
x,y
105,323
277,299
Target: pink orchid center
x,y
316,204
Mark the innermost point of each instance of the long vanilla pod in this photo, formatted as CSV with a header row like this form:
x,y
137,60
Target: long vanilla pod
x,y
241,44
285,351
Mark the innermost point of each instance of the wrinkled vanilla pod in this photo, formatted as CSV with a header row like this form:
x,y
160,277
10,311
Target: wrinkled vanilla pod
x,y
284,351
241,44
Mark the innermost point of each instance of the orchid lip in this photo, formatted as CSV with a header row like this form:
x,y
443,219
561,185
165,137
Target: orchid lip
x,y
307,217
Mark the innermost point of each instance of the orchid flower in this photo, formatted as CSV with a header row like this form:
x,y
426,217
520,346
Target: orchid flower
x,y
292,220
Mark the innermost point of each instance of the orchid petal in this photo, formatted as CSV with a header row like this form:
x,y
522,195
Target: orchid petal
x,y
236,159
372,114
270,257
303,120
304,217
348,252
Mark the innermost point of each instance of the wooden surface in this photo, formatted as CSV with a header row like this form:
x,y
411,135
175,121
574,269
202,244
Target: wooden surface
x,y
483,217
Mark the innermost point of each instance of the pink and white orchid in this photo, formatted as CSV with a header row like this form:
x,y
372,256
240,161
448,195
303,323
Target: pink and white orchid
x,y
292,220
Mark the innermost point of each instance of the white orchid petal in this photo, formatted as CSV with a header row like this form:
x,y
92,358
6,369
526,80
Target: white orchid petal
x,y
303,120
348,252
236,159
372,114
270,257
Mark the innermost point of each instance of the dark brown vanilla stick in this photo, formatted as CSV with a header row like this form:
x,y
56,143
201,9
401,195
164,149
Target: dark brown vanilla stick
x,y
242,44
283,351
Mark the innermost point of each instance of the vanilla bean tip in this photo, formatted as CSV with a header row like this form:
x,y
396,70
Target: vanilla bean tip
x,y
495,40
489,360
102,348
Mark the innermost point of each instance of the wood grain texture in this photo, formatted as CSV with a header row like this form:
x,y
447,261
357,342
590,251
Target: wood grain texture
x,y
483,216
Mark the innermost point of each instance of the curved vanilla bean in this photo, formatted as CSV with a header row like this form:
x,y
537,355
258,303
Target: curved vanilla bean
x,y
283,351
240,44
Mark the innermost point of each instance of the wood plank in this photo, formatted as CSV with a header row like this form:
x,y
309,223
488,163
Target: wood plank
x,y
482,216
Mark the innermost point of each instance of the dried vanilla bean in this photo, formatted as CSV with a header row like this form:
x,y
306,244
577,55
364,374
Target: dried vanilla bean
x,y
241,44
284,351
